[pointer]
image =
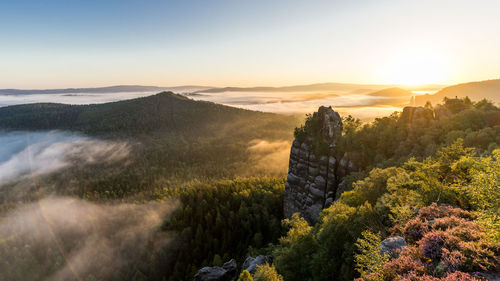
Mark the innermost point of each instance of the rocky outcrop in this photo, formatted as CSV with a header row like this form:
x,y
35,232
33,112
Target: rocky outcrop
x,y
413,114
251,264
314,174
227,272
441,112
393,245
418,114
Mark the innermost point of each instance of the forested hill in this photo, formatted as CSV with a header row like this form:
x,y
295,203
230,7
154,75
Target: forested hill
x,y
163,112
489,89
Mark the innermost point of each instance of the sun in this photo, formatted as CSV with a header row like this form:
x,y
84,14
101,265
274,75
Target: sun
x,y
415,67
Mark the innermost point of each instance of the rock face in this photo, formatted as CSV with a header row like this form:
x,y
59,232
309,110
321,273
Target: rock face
x,y
251,264
227,272
313,179
393,245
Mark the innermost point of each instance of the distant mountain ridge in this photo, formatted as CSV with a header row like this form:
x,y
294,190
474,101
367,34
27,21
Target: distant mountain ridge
x,y
297,88
488,89
110,89
392,92
194,89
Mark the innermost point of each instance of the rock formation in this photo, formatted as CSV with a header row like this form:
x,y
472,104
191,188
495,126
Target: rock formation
x,y
227,272
413,114
318,164
251,264
393,245
315,167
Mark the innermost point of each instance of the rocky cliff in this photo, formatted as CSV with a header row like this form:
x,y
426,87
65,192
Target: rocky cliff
x,y
316,165
318,162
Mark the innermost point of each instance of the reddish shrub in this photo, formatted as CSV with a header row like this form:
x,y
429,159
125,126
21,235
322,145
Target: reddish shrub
x,y
412,276
447,222
438,211
432,244
467,231
452,261
479,256
460,276
414,230
409,260
444,244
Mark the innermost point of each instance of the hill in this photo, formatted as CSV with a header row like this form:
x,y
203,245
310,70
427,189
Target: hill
x,y
100,90
165,112
173,140
489,89
297,88
392,92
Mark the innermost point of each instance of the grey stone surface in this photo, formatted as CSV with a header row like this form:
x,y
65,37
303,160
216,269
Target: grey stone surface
x,y
313,179
227,272
251,264
393,245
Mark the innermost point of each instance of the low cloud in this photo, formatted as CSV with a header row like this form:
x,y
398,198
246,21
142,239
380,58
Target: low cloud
x,y
61,238
24,154
70,98
285,102
268,157
304,102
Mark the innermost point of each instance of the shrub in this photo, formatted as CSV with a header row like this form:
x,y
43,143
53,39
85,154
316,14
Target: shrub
x,y
415,230
432,244
267,273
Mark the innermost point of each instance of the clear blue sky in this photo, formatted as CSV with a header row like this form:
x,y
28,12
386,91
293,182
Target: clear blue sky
x,y
85,43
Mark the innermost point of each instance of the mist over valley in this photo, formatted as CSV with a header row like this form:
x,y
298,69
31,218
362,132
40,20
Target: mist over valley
x,y
232,140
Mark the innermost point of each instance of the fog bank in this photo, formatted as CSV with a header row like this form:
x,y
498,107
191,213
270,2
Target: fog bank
x,y
63,238
24,154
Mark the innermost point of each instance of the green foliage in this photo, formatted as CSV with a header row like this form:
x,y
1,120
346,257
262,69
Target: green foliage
x,y
479,179
385,202
391,141
223,220
310,131
294,248
267,273
369,258
245,276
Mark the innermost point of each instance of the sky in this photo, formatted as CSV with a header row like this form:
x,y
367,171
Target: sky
x,y
91,43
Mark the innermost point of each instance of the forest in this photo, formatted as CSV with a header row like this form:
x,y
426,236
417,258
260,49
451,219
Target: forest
x,y
433,181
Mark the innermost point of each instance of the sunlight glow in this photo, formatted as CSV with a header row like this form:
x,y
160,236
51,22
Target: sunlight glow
x,y
415,67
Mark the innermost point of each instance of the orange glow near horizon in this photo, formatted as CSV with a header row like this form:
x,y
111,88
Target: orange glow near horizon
x,y
415,67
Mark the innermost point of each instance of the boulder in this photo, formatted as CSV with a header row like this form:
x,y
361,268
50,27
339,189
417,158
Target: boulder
x,y
393,245
251,264
227,272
